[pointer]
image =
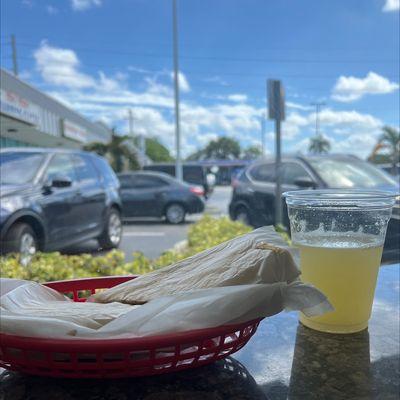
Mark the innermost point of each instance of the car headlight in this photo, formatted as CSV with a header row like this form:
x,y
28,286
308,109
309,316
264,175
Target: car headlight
x,y
11,203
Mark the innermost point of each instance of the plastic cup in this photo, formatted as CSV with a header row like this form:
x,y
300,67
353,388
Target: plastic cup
x,y
340,234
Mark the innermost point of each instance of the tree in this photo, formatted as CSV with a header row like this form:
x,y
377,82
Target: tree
x,y
223,148
319,145
117,150
196,156
251,153
390,139
156,151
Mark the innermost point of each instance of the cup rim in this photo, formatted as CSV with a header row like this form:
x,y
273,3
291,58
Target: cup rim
x,y
339,195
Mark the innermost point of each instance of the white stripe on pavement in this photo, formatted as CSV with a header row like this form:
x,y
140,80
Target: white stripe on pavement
x,y
144,234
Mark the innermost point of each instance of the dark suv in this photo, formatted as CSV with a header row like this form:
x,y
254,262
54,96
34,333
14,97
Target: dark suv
x,y
53,198
253,196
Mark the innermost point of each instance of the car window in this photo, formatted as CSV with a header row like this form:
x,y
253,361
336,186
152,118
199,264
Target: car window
x,y
292,172
125,181
105,171
167,169
61,165
85,170
263,173
18,168
351,174
141,181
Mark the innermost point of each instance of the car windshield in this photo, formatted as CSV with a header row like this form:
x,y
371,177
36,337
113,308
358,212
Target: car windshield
x,y
19,168
351,174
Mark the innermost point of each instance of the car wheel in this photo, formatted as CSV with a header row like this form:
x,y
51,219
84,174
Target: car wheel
x,y
175,213
112,234
242,215
21,239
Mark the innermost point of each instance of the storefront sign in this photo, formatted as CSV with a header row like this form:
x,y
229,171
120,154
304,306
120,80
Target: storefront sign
x,y
19,108
74,131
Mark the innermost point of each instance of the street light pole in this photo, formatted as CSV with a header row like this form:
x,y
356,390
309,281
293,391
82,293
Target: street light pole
x,y
178,163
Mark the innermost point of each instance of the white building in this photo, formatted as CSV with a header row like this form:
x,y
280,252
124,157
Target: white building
x,y
29,117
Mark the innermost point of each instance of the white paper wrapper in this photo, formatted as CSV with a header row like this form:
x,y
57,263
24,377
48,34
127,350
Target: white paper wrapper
x,y
202,308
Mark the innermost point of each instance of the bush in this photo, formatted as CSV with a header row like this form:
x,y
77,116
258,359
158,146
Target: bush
x,y
45,267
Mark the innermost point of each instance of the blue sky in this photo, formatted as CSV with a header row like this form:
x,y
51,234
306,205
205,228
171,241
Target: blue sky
x,y
102,57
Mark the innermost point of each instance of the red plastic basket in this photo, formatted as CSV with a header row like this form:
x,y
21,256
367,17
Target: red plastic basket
x,y
116,358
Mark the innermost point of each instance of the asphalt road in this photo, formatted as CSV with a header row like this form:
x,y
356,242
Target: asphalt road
x,y
153,237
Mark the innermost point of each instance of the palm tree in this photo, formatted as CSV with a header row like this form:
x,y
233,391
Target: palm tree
x,y
319,145
116,150
390,139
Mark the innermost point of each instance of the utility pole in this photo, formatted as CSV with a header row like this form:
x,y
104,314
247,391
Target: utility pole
x,y
14,55
262,134
318,106
178,163
130,114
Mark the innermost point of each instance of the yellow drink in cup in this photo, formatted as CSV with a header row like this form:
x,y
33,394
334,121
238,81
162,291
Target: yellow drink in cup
x,y
340,237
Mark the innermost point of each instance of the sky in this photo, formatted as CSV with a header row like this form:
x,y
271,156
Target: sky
x,y
103,57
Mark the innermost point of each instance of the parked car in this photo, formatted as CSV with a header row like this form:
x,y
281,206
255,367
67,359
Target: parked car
x,y
253,195
154,194
54,198
192,173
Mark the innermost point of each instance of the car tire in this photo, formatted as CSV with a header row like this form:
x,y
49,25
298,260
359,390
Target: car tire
x,y
242,215
175,213
112,234
21,239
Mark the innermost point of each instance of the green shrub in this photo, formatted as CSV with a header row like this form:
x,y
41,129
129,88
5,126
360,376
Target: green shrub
x,y
44,267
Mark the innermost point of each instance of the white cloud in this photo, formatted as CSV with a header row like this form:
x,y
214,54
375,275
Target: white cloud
x,y
298,106
352,120
51,9
239,98
81,5
350,88
60,67
358,143
183,82
107,98
391,5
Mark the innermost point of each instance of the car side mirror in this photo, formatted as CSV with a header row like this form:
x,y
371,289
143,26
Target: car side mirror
x,y
61,182
305,182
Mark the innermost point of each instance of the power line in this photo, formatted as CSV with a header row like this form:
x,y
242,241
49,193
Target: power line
x,y
199,72
227,59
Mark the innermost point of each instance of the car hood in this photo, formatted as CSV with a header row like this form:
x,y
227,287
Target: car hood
x,y
9,190
389,188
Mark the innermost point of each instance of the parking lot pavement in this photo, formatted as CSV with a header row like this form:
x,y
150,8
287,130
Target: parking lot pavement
x,y
153,237
218,203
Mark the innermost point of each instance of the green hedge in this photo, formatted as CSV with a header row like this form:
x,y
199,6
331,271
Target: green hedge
x,y
44,267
